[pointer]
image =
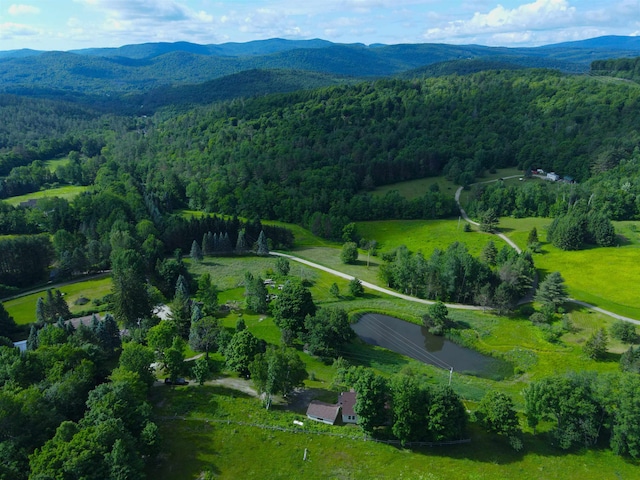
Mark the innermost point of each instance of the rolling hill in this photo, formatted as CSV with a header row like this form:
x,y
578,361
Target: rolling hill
x,y
141,68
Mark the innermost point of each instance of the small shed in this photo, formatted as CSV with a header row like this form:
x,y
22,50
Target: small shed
x,y
347,400
323,412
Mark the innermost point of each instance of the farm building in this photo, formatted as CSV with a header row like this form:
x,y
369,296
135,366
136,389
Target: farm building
x,y
347,400
323,412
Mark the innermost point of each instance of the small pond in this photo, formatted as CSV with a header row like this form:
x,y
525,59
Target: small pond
x,y
416,342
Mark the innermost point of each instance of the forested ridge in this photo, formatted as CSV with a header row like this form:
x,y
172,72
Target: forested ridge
x,y
296,156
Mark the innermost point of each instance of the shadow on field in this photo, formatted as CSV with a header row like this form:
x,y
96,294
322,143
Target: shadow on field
x,y
185,444
495,449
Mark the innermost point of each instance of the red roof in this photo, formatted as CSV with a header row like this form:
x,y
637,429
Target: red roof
x,y
347,400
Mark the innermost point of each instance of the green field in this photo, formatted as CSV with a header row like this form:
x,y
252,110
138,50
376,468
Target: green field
x,y
425,235
605,277
68,192
417,188
55,164
215,432
23,309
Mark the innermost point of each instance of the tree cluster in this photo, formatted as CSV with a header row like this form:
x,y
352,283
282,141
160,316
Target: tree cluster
x,y
586,408
415,410
454,275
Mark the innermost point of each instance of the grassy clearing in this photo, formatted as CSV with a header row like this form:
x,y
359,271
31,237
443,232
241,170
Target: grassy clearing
x,y
55,164
228,434
67,192
417,188
425,235
589,273
23,309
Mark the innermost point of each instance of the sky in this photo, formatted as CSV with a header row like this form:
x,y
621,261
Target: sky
x,y
76,24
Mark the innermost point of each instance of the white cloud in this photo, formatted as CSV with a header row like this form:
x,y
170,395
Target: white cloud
x,y
537,22
9,31
17,9
539,14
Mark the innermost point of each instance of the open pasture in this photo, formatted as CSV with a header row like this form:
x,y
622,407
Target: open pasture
x,y
23,309
224,433
416,188
606,277
425,235
67,192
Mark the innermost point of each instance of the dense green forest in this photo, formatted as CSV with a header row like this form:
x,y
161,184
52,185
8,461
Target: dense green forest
x,y
313,157
627,68
310,157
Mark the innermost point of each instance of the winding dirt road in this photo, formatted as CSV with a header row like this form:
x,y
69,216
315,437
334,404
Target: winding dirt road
x,y
458,306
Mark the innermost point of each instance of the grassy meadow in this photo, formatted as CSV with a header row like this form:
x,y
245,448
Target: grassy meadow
x,y
417,188
605,277
68,192
212,431
23,308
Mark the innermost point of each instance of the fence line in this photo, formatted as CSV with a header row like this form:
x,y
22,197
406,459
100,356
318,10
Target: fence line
x,y
364,438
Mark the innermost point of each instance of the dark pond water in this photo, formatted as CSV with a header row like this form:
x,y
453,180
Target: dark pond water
x,y
416,342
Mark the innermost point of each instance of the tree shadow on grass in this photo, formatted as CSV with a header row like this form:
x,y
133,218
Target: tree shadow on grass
x,y
185,444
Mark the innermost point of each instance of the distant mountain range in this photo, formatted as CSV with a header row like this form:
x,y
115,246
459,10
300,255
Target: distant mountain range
x,y
140,70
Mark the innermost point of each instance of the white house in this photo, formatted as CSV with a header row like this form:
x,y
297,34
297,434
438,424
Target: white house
x,y
554,177
347,400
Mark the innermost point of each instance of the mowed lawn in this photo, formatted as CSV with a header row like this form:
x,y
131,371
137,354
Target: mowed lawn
x,y
606,277
23,309
67,192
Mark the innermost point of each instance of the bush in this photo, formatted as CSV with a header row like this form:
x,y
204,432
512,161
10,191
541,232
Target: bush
x,y
349,253
624,331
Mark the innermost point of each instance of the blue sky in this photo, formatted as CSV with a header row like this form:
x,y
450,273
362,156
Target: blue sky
x,y
72,24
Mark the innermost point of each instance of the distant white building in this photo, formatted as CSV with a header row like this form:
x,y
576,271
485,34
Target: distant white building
x,y
554,177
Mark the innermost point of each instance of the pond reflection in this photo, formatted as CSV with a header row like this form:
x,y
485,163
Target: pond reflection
x,y
416,342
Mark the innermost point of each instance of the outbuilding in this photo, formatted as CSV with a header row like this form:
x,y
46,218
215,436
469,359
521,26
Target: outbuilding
x,y
323,412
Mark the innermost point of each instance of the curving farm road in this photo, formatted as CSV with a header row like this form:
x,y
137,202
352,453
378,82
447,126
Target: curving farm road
x,y
449,305
512,244
371,285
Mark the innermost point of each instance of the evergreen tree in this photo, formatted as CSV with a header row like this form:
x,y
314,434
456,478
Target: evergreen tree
x,y
196,252
7,324
41,311
32,340
595,347
552,291
489,220
489,253
181,308
263,245
130,298
208,294
255,293
355,288
241,243
334,290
